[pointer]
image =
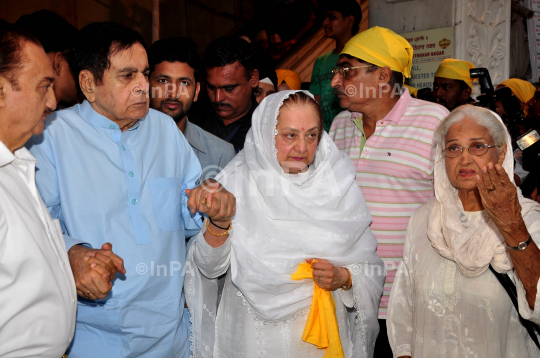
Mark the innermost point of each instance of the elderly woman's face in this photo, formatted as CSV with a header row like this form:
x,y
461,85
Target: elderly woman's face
x,y
463,169
297,138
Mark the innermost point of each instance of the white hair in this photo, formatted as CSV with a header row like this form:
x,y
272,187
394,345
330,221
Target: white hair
x,y
482,116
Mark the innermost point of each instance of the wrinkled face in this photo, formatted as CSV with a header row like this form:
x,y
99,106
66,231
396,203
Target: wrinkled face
x,y
263,90
229,90
335,25
123,94
297,138
356,87
463,169
27,106
173,89
447,92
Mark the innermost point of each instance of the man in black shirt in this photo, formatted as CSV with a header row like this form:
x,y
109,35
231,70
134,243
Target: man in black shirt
x,y
230,80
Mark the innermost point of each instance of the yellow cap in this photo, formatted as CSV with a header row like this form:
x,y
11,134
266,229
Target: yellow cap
x,y
382,47
523,90
456,70
290,77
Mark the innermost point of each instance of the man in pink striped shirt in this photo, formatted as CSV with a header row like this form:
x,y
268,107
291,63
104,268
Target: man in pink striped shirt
x,y
388,136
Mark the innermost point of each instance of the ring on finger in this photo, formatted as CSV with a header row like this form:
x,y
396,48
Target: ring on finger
x,y
203,201
491,189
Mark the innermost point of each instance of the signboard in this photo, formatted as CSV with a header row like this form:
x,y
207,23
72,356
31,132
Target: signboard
x,y
533,30
430,47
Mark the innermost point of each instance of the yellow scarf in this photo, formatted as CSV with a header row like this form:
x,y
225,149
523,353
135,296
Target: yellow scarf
x,y
322,328
456,70
382,47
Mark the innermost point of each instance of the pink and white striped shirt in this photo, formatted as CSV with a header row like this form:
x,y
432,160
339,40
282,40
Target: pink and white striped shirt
x,y
394,168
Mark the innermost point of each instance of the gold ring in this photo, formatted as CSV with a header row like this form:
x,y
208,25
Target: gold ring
x,y
203,201
491,189
87,293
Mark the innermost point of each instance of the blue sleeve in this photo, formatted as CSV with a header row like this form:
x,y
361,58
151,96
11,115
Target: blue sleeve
x,y
47,183
190,179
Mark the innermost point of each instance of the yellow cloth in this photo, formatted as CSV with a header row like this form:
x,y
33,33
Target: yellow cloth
x,y
322,327
523,90
290,77
382,47
456,70
413,91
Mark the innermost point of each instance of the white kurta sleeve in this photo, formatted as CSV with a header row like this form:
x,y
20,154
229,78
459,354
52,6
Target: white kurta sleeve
x,y
212,261
399,321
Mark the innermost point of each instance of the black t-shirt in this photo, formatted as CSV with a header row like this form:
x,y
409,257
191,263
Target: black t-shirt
x,y
235,133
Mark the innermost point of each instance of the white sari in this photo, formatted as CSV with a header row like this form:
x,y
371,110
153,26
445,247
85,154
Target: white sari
x,y
281,220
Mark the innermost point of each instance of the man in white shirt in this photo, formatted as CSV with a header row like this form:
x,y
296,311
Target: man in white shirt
x,y
37,292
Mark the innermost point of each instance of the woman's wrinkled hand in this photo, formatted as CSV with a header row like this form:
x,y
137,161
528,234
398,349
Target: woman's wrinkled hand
x,y
327,276
499,197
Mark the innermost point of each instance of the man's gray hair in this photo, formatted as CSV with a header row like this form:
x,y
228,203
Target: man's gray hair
x,y
482,116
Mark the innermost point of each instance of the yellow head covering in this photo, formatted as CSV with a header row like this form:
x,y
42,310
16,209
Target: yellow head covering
x,y
456,70
523,90
290,77
413,91
382,47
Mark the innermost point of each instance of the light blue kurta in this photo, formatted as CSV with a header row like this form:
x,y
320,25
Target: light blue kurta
x,y
127,189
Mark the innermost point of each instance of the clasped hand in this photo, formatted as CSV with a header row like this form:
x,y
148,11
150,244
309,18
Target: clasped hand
x,y
327,276
214,200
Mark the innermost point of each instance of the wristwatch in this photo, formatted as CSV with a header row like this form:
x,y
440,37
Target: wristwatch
x,y
521,246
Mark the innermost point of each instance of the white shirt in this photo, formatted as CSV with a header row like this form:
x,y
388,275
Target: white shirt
x,y
37,290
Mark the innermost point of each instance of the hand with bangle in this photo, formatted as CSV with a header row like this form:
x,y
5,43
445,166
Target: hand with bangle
x,y
218,204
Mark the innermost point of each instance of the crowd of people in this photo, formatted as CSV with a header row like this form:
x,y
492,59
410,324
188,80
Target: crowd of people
x,y
158,205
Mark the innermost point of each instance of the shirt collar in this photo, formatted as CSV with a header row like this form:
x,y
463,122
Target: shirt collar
x,y
97,120
396,113
192,137
6,157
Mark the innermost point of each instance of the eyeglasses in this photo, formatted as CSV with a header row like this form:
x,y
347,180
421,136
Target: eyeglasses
x,y
477,149
343,70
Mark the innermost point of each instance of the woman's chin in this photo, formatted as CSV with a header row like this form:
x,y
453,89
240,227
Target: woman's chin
x,y
295,169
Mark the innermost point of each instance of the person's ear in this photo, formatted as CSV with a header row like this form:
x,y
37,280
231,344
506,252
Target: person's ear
x,y
385,75
502,154
254,79
3,84
465,94
88,85
350,21
57,63
197,89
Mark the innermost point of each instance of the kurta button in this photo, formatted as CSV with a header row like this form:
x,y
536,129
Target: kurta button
x,y
111,126
72,300
123,147
131,174
133,201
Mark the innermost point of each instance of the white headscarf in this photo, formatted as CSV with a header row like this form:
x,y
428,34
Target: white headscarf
x,y
281,220
477,244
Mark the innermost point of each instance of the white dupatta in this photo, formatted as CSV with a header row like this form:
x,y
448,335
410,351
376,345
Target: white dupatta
x,y
281,220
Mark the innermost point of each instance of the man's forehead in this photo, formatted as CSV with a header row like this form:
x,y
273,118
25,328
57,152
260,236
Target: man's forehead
x,y
36,62
346,60
174,69
233,73
131,57
446,81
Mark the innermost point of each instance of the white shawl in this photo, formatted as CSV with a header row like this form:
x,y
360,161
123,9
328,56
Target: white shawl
x,y
283,219
481,243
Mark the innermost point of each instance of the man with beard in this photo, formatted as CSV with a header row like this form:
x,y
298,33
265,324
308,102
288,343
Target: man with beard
x,y
113,171
231,78
388,136
453,84
174,86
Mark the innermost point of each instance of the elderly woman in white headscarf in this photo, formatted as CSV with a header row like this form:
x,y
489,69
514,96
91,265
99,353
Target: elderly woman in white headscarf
x,y
297,202
465,248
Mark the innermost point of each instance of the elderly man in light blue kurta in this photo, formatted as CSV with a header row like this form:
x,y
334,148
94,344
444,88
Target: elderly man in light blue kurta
x,y
115,174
